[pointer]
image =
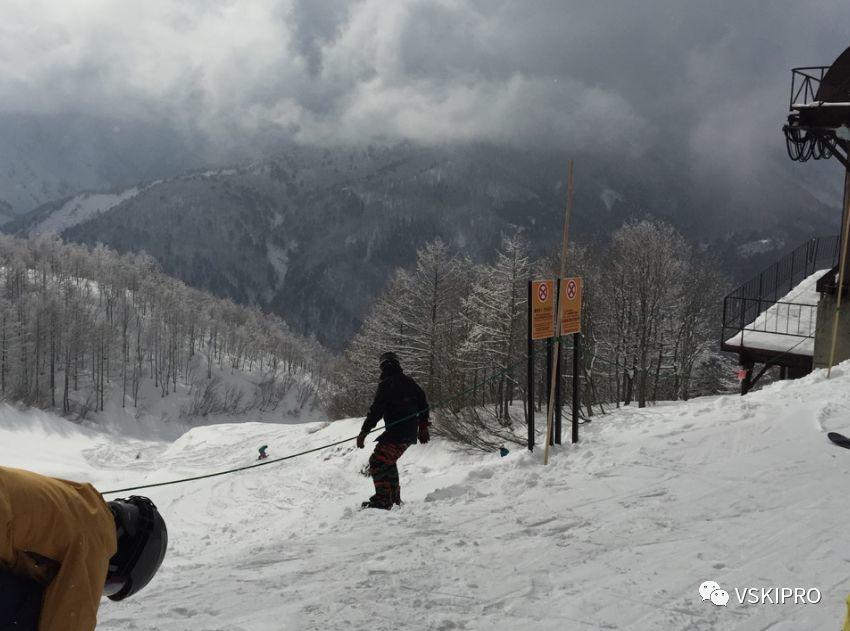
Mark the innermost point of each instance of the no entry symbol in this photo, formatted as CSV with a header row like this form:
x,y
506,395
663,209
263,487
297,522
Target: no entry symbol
x,y
542,292
571,290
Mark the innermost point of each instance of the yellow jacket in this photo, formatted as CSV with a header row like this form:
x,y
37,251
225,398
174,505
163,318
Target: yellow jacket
x,y
67,522
846,626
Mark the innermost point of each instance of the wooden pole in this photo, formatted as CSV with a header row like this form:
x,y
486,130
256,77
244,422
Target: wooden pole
x,y
567,213
845,233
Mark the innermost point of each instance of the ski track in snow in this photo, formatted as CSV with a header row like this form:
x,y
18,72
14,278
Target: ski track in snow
x,y
617,532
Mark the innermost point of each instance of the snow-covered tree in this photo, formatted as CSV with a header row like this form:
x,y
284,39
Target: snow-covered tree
x,y
75,324
496,311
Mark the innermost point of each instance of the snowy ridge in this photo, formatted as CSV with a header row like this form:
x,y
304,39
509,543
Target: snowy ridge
x,y
79,209
617,533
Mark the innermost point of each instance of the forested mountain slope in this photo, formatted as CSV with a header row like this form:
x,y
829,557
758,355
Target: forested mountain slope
x,y
95,335
314,234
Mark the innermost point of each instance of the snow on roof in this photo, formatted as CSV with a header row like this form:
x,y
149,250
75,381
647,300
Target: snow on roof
x,y
804,106
788,325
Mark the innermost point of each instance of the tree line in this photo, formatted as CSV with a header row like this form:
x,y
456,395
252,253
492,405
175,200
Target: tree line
x,y
649,331
79,324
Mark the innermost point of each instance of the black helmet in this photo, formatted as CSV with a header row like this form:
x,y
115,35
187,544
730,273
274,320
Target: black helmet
x,y
142,540
389,358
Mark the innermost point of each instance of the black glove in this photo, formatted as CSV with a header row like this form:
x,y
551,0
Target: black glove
x,y
424,436
361,440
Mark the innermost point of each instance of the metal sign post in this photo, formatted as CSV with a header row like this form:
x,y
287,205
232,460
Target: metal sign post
x,y
576,377
559,377
550,383
530,415
541,326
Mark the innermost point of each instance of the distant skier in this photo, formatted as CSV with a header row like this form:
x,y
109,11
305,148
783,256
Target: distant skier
x,y
403,406
62,547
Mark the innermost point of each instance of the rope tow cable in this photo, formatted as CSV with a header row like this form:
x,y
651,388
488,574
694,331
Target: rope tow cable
x,y
345,440
315,449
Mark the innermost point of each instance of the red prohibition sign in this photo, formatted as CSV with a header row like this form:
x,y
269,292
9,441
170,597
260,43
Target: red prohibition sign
x,y
571,290
542,293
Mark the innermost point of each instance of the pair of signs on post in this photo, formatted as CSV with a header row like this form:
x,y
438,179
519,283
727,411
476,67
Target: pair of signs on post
x,y
543,307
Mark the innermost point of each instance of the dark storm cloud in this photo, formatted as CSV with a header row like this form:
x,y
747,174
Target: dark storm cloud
x,y
711,77
315,23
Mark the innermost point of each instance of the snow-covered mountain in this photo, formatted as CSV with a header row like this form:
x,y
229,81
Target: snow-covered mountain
x,y
314,234
55,218
618,532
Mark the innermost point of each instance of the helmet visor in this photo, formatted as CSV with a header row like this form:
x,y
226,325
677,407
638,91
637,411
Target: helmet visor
x,y
114,584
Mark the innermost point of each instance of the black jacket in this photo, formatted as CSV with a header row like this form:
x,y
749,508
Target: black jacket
x,y
401,403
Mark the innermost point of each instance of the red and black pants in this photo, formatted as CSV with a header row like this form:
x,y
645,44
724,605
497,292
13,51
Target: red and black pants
x,y
384,472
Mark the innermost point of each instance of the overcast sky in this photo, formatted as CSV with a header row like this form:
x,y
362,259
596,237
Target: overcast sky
x,y
713,75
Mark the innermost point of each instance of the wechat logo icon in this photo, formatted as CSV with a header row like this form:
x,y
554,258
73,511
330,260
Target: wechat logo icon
x,y
710,590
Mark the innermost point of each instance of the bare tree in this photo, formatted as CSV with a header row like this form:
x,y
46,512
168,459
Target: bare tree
x,y
77,320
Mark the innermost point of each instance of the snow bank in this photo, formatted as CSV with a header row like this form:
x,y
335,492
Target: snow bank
x,y
617,532
42,442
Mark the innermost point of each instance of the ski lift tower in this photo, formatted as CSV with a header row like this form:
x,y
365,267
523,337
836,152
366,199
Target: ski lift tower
x,y
818,128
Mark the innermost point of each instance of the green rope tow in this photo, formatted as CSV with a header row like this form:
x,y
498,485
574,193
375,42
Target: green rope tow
x,y
315,449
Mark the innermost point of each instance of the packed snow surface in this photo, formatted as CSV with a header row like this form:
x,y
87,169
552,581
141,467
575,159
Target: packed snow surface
x,y
618,532
788,325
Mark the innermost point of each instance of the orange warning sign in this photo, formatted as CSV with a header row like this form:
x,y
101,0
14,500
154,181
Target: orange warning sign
x,y
570,305
542,309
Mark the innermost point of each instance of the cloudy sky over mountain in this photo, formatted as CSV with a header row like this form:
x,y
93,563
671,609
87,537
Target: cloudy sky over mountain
x,y
712,76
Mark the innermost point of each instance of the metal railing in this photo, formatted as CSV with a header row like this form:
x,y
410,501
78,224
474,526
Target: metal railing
x,y
743,307
790,319
805,83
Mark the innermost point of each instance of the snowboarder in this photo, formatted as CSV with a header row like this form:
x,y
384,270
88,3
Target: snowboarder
x,y
263,455
403,406
62,547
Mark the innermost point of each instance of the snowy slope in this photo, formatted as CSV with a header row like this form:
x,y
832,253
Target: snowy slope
x,y
80,208
617,533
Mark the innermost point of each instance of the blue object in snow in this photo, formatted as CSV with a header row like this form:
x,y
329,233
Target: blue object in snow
x,y
503,452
